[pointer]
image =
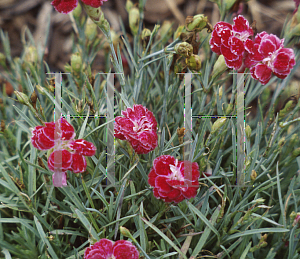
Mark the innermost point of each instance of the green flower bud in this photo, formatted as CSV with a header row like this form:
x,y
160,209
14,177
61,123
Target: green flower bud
x,y
125,232
229,109
196,23
134,20
77,11
128,5
253,175
259,200
289,106
229,4
2,59
22,98
166,29
184,49
220,92
178,32
193,62
31,55
297,219
76,62
218,124
248,131
146,33
219,66
90,30
296,152
40,89
293,216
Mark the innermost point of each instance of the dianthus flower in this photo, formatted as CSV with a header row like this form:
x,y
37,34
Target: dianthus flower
x,y
138,126
168,179
267,55
107,249
72,150
66,6
231,41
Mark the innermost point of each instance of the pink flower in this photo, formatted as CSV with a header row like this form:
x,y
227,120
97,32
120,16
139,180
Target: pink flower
x,y
231,41
72,151
107,249
267,55
169,180
138,126
66,6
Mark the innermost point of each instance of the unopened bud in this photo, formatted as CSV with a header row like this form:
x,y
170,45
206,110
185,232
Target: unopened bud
x,y
248,132
229,109
166,29
134,20
219,66
146,33
128,5
289,106
296,220
196,23
125,232
40,89
220,92
259,200
178,32
293,216
22,98
184,49
31,55
76,62
253,175
218,124
193,62
90,30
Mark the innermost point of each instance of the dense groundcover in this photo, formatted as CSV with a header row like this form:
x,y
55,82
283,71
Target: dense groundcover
x,y
186,145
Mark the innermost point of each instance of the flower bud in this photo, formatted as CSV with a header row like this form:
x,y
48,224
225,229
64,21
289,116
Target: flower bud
x,y
296,152
166,29
253,175
128,5
193,62
146,33
218,124
259,200
196,23
31,55
220,92
219,66
76,62
297,219
2,59
293,216
22,98
90,30
229,109
184,49
125,232
40,89
178,32
134,20
289,106
248,131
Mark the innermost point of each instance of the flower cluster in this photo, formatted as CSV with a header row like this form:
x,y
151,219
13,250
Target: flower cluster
x,y
72,150
66,6
138,127
107,249
263,56
169,180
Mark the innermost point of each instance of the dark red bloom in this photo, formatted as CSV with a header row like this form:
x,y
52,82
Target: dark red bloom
x,y
54,163
83,147
66,6
231,41
138,126
267,55
107,249
169,180
78,163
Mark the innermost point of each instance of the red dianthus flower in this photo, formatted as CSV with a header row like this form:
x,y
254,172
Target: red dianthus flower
x,y
231,41
107,249
72,151
267,55
138,126
169,181
66,6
